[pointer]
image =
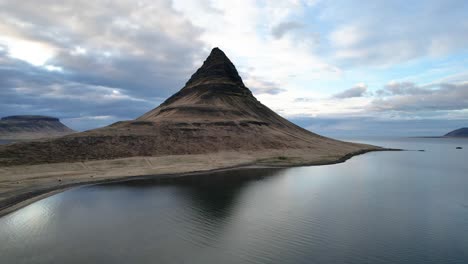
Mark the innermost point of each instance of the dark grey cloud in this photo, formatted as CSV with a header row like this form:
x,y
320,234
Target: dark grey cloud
x,y
267,90
118,59
403,88
265,87
26,89
408,96
358,90
283,28
260,86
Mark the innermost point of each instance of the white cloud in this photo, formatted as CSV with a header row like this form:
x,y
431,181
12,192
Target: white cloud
x,y
243,32
347,36
33,52
78,51
133,45
262,87
53,68
409,96
54,58
390,32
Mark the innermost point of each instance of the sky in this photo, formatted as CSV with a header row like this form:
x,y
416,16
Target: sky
x,y
339,68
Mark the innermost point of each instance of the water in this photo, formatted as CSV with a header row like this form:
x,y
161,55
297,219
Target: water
x,y
382,207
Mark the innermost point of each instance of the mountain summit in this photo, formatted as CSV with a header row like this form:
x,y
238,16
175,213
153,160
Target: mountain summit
x,y
216,68
214,112
215,91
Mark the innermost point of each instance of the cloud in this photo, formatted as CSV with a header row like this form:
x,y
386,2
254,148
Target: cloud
x,y
357,91
390,32
402,88
259,86
27,89
91,64
394,101
411,97
304,99
146,48
78,58
209,7
346,36
267,90
283,28
243,31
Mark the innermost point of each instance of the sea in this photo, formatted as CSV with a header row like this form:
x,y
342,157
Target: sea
x,y
381,207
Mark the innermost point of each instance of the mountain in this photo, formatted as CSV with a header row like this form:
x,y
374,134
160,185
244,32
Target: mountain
x,y
462,132
31,127
214,112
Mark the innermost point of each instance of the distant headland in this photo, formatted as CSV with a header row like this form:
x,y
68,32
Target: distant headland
x,y
462,132
26,127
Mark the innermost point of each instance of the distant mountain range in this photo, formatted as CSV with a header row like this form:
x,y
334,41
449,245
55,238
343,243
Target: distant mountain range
x,y
462,132
23,127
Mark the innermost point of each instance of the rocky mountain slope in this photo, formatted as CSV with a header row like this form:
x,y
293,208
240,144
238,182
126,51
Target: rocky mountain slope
x,y
213,112
32,127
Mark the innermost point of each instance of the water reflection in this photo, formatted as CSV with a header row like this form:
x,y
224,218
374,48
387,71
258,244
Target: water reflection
x,y
203,204
213,193
33,216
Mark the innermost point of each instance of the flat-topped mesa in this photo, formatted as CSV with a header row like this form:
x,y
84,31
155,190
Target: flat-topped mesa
x,y
30,118
21,127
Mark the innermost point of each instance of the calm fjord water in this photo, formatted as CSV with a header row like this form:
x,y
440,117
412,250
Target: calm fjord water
x,y
382,207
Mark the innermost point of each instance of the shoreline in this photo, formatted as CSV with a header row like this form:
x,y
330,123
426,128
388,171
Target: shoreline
x,y
20,199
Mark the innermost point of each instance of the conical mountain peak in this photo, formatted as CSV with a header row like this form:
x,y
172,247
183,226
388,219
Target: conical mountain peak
x,y
216,68
213,114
